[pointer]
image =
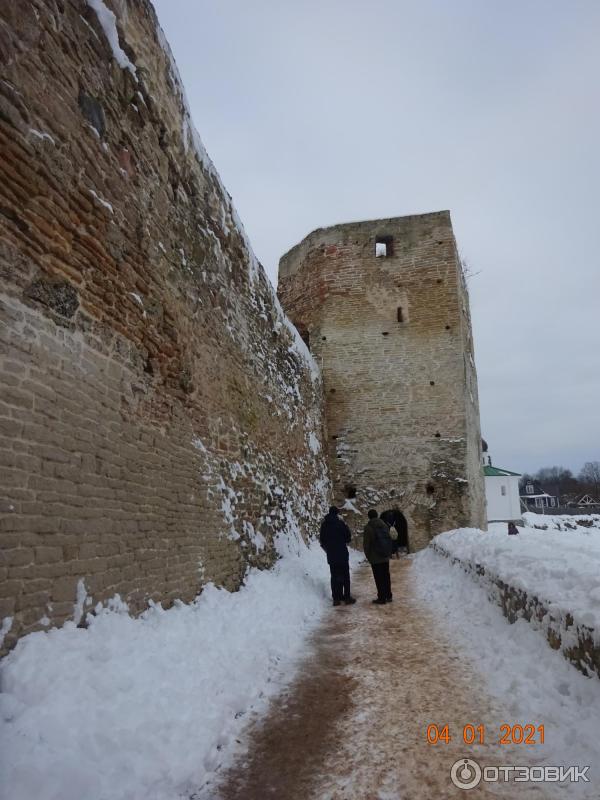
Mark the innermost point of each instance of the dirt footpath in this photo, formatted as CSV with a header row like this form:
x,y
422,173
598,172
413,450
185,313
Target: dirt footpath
x,y
352,726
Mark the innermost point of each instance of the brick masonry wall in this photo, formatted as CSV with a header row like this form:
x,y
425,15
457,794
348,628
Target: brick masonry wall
x,y
159,421
393,338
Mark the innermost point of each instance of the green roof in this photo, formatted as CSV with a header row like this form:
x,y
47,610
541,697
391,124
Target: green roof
x,y
496,472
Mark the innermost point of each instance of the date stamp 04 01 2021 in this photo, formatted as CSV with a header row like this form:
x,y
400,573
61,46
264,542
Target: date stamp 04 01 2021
x,y
476,734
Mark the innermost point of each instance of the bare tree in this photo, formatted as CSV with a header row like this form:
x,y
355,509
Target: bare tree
x,y
467,270
556,480
590,476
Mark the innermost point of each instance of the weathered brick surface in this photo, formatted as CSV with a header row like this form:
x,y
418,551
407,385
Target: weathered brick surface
x,y
400,385
155,414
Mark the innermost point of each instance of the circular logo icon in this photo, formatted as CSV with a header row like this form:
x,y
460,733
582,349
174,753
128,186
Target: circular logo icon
x,y
465,773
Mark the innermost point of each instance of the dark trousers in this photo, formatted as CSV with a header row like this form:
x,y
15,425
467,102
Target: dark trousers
x,y
381,573
340,581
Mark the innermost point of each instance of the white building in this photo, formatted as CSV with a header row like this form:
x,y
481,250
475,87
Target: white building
x,y
501,493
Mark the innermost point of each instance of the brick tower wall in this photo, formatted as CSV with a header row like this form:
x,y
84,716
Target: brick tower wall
x,y
160,422
392,336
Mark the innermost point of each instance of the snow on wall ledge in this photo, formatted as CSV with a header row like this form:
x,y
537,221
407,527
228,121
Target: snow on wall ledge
x,y
159,414
549,578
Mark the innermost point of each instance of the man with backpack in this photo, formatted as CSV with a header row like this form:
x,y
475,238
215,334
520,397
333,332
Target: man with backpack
x,y
377,545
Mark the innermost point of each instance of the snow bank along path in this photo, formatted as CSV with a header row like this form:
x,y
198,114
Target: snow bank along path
x,y
530,682
150,707
550,578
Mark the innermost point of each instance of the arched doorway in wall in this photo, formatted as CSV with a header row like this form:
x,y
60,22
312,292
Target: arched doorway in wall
x,y
396,518
304,333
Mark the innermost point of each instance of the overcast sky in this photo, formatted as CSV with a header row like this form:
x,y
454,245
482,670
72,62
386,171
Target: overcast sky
x,y
316,113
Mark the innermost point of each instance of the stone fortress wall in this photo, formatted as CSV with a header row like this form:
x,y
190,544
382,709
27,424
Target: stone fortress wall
x,y
392,335
160,420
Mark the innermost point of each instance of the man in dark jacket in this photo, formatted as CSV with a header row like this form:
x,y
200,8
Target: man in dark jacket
x,y
335,537
377,545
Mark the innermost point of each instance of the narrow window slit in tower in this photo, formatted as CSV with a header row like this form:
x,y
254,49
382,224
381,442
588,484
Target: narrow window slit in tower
x,y
383,246
399,314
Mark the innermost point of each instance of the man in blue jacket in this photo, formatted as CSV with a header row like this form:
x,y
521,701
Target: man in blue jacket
x,y
335,537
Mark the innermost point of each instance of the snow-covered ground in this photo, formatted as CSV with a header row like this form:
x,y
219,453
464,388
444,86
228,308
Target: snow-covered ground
x,y
560,568
535,683
150,707
562,522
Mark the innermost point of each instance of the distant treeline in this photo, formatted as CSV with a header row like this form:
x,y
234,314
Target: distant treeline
x,y
562,483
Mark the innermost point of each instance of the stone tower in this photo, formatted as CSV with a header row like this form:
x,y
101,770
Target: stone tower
x,y
384,308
